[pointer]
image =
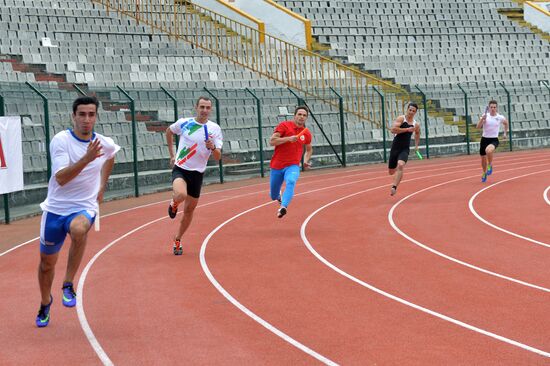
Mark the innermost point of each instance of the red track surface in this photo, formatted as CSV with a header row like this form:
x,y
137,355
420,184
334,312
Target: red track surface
x,y
146,306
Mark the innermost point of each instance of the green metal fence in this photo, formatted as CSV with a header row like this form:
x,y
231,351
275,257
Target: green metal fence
x,y
137,119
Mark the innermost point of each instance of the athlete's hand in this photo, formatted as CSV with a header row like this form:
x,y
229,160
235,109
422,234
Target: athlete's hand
x,y
504,136
307,165
210,144
172,161
93,152
292,138
410,129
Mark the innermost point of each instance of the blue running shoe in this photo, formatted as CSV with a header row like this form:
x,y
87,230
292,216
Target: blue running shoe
x,y
484,178
69,295
43,317
489,169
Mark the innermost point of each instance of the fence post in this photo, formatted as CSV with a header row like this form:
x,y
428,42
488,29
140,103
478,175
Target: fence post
x,y
467,116
509,102
342,125
260,134
217,101
425,103
134,138
320,128
6,200
383,102
175,104
46,128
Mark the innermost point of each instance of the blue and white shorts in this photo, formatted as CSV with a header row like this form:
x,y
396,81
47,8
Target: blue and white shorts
x,y
54,229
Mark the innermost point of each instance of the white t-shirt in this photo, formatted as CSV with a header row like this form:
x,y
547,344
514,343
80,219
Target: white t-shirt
x,y
192,153
491,127
81,192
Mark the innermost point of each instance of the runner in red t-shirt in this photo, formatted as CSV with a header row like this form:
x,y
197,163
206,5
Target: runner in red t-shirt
x,y
285,163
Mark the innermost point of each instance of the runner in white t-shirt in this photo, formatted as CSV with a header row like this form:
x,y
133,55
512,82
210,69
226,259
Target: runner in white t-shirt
x,y
490,121
198,139
82,161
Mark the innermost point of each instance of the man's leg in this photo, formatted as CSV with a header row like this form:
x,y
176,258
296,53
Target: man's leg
x,y
179,194
276,177
399,173
392,168
291,175
484,168
46,272
484,163
78,230
52,236
489,150
188,210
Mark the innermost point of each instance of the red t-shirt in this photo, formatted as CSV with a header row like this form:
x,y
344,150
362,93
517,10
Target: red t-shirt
x,y
289,153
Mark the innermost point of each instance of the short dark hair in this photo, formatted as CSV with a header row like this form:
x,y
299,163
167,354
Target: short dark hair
x,y
301,107
492,101
202,97
84,101
411,104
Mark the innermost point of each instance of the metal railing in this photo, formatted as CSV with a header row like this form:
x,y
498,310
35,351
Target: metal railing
x,y
300,69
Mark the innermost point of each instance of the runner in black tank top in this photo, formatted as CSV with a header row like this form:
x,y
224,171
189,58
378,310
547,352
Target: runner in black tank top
x,y
403,128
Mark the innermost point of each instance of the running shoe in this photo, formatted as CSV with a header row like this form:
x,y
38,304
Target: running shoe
x,y
489,169
69,295
172,211
281,212
393,190
484,178
178,249
43,317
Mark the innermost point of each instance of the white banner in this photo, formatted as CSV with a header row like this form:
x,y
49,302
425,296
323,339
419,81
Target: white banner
x,y
11,155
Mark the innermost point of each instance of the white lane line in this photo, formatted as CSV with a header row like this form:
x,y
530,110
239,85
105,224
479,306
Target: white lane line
x,y
80,288
416,242
403,301
321,178
243,308
546,195
480,218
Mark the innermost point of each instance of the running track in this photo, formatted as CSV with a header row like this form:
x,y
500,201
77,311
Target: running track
x,y
449,271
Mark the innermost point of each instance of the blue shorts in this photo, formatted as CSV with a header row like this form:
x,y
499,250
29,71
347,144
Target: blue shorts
x,y
54,229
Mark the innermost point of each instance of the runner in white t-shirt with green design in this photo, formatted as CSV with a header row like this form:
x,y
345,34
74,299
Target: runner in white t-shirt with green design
x,y
199,138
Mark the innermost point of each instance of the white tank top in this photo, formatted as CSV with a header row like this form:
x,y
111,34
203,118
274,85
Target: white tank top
x,y
491,127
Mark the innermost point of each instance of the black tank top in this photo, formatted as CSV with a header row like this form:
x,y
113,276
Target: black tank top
x,y
403,140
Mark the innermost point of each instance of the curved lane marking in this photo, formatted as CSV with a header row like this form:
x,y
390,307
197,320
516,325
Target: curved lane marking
x,y
403,301
480,218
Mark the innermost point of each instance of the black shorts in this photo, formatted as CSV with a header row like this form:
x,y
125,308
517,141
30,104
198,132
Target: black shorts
x,y
486,141
192,178
396,155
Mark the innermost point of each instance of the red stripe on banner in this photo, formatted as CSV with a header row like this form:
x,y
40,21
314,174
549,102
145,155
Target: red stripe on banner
x,y
3,164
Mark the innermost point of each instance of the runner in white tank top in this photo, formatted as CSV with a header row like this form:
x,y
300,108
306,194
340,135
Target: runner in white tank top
x,y
490,121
